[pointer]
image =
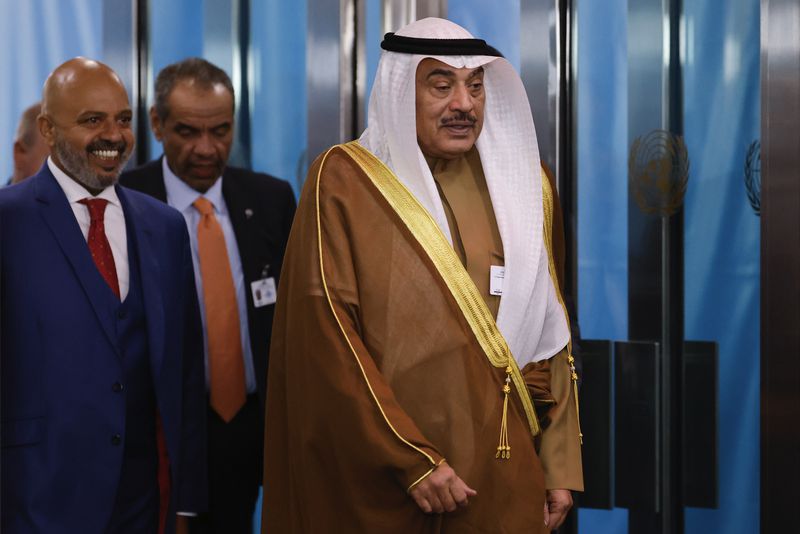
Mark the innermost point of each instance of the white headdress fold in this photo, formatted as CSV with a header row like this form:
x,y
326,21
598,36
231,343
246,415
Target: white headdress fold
x,y
530,316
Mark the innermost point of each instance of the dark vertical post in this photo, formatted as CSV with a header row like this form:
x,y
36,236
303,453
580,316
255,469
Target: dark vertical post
x,y
646,103
334,66
637,394
780,264
121,24
598,424
671,427
655,239
700,406
243,130
672,303
646,78
142,80
566,161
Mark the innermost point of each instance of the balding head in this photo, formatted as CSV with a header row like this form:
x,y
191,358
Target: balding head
x,y
30,149
86,121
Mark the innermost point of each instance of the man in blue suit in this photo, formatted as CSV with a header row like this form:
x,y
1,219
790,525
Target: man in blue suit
x,y
100,332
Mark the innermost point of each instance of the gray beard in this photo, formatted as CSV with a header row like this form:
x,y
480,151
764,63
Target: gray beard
x,y
77,166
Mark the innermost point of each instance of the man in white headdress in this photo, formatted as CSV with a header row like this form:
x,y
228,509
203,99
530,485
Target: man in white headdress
x,y
419,326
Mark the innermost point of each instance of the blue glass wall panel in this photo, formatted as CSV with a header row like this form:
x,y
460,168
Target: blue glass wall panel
x,y
176,32
602,152
278,89
37,36
373,35
721,119
495,22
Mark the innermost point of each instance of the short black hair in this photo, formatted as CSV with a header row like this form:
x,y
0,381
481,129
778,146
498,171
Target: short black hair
x,y
203,73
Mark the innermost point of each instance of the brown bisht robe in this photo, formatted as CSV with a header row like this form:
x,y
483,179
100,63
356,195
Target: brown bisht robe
x,y
377,374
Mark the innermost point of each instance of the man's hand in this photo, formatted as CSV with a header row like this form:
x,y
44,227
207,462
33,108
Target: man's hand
x,y
556,506
442,491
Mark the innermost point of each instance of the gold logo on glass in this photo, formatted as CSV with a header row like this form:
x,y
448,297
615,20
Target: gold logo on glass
x,y
658,171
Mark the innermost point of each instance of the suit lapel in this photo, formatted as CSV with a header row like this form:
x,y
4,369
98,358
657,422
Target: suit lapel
x,y
243,216
58,216
149,274
155,181
252,235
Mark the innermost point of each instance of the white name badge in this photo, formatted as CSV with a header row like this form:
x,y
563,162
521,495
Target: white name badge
x,y
496,275
264,292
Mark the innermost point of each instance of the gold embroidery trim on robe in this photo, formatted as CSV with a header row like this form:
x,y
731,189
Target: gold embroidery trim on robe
x,y
547,196
425,230
344,333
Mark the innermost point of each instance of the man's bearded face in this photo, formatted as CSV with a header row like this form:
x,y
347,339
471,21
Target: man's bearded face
x,y
449,106
90,129
79,163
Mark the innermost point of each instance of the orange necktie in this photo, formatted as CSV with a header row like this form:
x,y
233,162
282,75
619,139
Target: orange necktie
x,y
226,367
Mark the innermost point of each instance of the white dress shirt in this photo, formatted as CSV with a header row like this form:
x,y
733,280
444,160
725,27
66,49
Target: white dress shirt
x,y
114,221
180,196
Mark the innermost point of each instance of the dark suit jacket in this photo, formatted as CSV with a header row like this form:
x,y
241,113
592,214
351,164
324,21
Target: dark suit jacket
x,y
59,360
261,210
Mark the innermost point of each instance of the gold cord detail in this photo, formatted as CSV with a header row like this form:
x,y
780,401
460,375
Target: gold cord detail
x,y
428,234
547,195
320,252
504,449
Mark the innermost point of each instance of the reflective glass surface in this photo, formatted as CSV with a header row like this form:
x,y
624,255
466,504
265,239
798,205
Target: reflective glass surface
x,y
719,69
37,36
277,84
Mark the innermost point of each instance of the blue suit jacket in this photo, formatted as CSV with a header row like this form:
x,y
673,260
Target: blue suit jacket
x,y
59,468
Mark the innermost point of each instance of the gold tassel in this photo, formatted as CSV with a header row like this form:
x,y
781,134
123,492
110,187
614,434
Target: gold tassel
x,y
504,449
574,375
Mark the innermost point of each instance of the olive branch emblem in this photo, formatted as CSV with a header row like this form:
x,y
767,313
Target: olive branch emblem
x,y
658,172
752,176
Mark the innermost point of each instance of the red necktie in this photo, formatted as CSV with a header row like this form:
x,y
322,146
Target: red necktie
x,y
98,243
104,260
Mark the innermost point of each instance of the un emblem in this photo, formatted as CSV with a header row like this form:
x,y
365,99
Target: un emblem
x,y
658,171
752,176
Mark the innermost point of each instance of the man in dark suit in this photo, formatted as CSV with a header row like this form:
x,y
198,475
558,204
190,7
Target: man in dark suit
x,y
101,355
250,214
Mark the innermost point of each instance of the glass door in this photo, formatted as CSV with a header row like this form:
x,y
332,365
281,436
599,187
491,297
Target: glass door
x,y
668,121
